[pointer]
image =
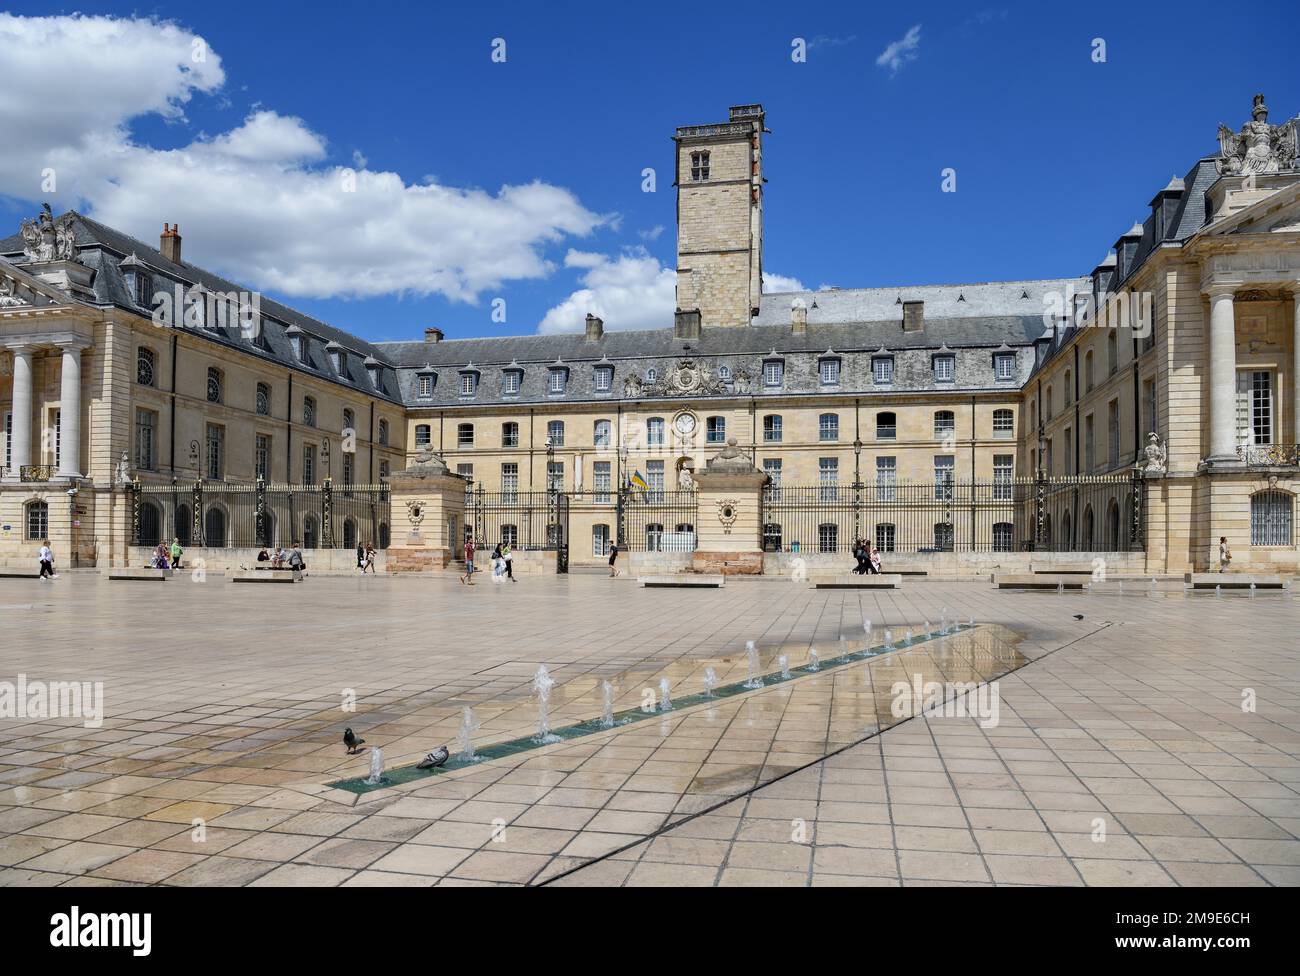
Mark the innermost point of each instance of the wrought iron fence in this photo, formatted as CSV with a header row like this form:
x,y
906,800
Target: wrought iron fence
x,y
244,516
524,519
659,521
1082,513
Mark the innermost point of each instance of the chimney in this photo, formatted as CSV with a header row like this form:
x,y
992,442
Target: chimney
x,y
169,243
913,316
798,317
686,325
432,334
595,327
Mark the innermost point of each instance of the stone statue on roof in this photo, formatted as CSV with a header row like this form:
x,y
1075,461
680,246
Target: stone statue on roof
x,y
47,239
1260,148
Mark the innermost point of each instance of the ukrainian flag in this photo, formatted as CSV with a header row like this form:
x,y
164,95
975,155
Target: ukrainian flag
x,y
638,481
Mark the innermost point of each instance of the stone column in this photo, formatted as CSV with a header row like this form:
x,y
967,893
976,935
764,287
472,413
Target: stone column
x,y
70,412
1295,363
20,450
728,530
1222,350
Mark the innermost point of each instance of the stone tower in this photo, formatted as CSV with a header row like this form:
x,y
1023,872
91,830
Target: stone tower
x,y
720,218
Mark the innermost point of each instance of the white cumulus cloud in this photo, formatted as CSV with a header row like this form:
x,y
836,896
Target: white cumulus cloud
x,y
261,202
774,283
631,291
901,51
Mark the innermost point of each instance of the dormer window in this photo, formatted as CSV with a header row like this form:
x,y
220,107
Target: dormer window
x,y
559,378
468,383
298,343
945,368
424,386
604,378
882,370
829,368
1004,366
773,372
510,381
338,359
699,166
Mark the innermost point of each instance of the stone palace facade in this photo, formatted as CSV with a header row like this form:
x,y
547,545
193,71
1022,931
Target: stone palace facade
x,y
1178,355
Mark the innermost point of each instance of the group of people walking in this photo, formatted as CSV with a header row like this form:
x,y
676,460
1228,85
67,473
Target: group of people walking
x,y
366,557
867,557
502,563
165,556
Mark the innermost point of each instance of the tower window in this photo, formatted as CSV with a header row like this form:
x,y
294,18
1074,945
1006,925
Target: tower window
x,y
699,166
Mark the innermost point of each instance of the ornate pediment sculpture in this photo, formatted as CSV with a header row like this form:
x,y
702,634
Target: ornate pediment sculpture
x,y
47,239
1259,148
9,294
687,378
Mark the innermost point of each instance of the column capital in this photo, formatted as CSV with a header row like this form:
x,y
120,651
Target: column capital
x,y
18,348
1220,289
75,344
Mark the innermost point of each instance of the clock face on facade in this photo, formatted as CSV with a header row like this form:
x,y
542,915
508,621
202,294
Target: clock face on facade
x,y
685,424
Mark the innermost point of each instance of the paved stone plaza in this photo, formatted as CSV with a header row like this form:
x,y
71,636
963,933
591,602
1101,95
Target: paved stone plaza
x,y
1121,755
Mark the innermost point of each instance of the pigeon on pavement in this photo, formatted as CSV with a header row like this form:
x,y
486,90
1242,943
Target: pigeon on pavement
x,y
351,741
435,758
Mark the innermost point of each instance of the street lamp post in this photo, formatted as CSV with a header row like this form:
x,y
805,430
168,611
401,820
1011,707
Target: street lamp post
x,y
857,489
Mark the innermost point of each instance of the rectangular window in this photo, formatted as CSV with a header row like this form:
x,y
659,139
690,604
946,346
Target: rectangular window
x,y
1112,431
510,382
426,386
1254,408
830,372
1089,445
309,464
600,540
945,368
554,475
716,430
509,482
828,536
145,439
828,427
773,370
772,429
465,435
510,434
772,468
1004,423
604,379
1002,474
349,468
654,431
944,472
555,433
1004,366
886,479
262,457
601,481
654,474
216,437
882,368
828,478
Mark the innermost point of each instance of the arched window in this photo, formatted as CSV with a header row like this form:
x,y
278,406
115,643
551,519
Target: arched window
x,y
349,534
263,400
464,435
309,411
1086,530
383,433
1271,518
150,524
310,537
214,528
145,366
603,434
885,536
651,375
37,519
945,424
184,525
886,425
1112,526
1003,536
214,385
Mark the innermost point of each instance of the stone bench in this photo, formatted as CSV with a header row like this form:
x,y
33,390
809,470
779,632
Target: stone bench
x,y
683,579
1040,581
1061,568
852,581
1234,581
145,573
267,575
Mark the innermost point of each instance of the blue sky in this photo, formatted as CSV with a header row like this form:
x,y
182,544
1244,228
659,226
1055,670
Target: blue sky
x,y
1055,155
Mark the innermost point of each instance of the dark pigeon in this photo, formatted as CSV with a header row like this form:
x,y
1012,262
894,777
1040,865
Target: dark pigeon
x,y
351,741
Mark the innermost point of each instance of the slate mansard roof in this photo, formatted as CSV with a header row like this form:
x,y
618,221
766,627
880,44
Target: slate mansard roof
x,y
103,249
